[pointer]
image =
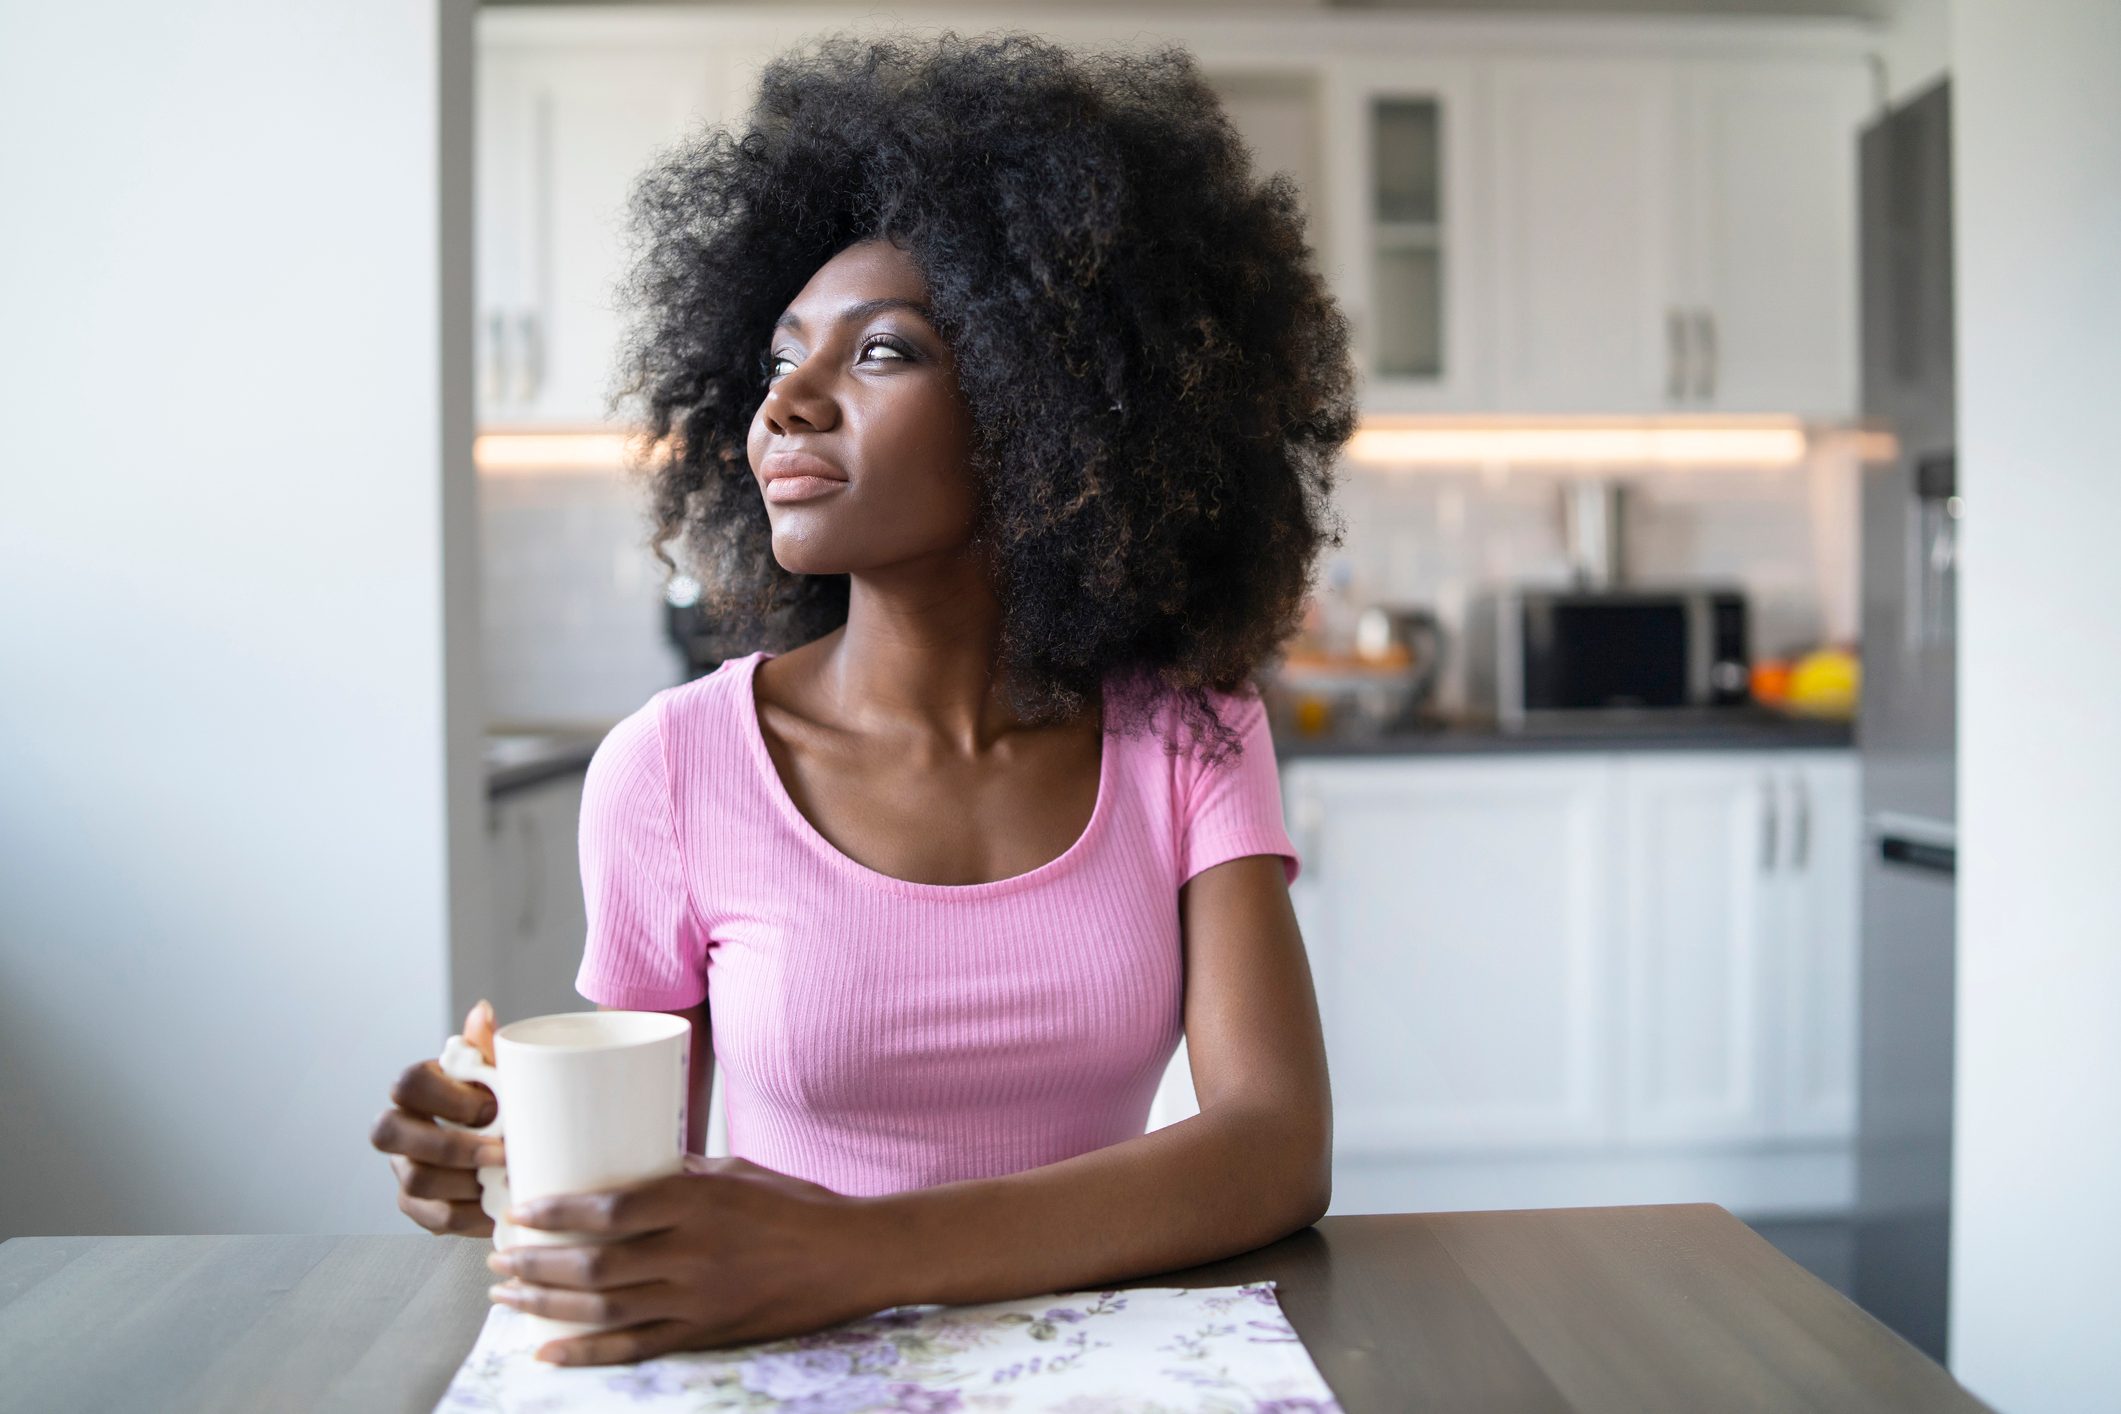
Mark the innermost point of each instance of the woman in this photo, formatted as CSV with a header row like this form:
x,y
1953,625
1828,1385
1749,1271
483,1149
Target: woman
x,y
997,407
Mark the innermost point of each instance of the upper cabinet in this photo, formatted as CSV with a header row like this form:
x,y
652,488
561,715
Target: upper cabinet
x,y
1767,233
562,133
1584,294
1637,224
1405,248
1278,113
1675,236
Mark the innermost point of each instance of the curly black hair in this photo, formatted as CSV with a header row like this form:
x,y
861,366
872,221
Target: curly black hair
x,y
1159,380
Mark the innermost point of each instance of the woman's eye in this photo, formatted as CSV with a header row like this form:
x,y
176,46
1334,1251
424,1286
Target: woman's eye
x,y
899,353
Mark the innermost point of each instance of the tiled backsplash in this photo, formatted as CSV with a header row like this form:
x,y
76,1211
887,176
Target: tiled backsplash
x,y
1433,537
574,610
572,600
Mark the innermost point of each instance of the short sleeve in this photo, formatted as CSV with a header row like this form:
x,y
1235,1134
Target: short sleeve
x,y
644,948
1233,809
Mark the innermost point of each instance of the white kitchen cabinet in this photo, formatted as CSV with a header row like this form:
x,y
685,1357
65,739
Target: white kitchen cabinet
x,y
1582,298
1767,241
1638,224
1740,927
563,133
1582,977
540,922
1815,883
1279,113
1675,235
1404,248
1696,922
1457,919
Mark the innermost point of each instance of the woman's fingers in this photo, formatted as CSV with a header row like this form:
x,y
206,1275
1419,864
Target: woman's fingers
x,y
478,1028
613,1214
594,1266
424,1090
417,1137
436,1167
431,1181
620,1306
625,1346
442,1216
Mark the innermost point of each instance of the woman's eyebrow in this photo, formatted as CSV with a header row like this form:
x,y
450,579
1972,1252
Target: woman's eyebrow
x,y
862,309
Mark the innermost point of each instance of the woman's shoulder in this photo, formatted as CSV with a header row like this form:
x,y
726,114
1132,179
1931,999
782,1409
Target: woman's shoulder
x,y
714,691
1201,731
699,715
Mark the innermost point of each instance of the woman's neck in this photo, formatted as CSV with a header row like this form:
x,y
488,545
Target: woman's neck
x,y
918,652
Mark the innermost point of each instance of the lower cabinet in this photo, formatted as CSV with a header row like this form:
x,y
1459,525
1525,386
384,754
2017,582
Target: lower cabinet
x,y
1582,978
1457,915
1694,927
534,866
538,917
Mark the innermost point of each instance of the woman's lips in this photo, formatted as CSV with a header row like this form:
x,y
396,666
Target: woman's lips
x,y
801,488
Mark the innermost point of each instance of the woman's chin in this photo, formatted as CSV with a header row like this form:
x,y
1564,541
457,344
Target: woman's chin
x,y
804,559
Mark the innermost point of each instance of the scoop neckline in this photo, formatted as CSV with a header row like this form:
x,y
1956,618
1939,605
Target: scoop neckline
x,y
755,738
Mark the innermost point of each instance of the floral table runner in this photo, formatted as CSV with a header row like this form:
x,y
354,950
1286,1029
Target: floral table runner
x,y
1155,1350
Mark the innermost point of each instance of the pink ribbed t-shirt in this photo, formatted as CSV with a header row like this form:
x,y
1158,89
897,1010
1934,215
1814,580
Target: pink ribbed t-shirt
x,y
877,1034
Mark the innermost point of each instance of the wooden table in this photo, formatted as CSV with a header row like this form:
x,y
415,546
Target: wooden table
x,y
1679,1307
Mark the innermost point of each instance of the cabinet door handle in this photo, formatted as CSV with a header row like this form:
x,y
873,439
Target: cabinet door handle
x,y
533,356
1801,829
1675,354
1770,824
1705,343
496,359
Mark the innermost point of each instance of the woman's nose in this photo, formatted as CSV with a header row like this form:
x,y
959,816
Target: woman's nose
x,y
795,397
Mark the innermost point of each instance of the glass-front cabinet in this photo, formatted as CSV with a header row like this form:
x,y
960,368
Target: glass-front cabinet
x,y
1403,260
1407,236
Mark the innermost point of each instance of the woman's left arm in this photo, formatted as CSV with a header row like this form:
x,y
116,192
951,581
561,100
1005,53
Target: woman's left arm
x,y
1254,1165
731,1252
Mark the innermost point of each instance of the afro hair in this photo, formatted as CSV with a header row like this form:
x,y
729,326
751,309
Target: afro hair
x,y
1158,378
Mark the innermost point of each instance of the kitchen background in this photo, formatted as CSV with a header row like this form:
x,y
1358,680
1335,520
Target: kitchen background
x,y
1607,955
1777,268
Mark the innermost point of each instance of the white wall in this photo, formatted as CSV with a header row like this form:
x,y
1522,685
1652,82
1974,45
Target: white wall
x,y
1914,46
238,734
2036,1244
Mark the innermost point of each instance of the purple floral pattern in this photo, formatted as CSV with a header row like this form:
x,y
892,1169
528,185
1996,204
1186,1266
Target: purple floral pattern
x,y
1153,1350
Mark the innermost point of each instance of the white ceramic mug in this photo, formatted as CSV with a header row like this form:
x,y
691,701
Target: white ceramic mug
x,y
587,1100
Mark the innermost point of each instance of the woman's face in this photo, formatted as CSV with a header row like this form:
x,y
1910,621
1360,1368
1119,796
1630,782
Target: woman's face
x,y
861,447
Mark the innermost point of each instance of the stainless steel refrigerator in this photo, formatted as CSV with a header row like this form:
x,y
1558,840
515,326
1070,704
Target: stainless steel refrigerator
x,y
1906,731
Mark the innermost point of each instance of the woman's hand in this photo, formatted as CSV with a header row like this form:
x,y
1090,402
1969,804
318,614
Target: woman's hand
x,y
723,1253
437,1168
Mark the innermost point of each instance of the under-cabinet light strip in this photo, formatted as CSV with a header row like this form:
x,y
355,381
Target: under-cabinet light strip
x,y
1380,442
533,452
1577,443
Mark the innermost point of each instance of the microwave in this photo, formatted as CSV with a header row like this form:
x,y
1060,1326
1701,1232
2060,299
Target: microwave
x,y
1557,655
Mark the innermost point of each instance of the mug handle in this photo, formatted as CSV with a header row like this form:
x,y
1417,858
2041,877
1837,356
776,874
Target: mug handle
x,y
461,1061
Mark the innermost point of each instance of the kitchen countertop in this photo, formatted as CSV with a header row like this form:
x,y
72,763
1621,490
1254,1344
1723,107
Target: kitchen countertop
x,y
1728,729
1673,1307
518,760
